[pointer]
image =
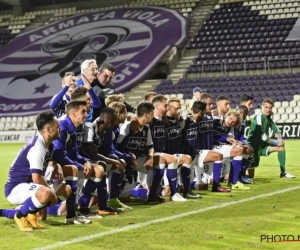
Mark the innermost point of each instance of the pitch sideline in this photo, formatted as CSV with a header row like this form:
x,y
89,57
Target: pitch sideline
x,y
169,218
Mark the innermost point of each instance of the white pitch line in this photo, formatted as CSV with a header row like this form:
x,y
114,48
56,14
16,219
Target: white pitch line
x,y
169,218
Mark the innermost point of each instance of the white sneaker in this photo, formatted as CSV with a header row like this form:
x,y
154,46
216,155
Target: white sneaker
x,y
77,220
287,175
177,197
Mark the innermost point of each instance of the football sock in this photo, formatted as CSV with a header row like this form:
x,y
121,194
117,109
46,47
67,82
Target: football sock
x,y
70,202
115,184
102,193
31,205
54,210
281,159
217,166
236,168
89,190
185,176
158,173
172,178
8,213
245,165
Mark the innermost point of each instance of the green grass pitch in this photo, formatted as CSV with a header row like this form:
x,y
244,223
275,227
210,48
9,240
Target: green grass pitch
x,y
238,226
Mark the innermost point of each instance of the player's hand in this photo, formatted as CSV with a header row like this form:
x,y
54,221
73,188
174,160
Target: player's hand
x,y
232,140
86,83
68,80
87,169
134,125
120,165
280,143
133,161
60,174
149,163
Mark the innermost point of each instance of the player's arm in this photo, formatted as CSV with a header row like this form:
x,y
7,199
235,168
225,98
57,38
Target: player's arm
x,y
258,124
124,131
277,133
113,151
95,99
58,98
149,144
60,151
35,158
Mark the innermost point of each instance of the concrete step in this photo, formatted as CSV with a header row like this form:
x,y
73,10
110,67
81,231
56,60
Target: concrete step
x,y
133,97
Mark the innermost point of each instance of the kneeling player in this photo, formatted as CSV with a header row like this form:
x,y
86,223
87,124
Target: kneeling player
x,y
261,143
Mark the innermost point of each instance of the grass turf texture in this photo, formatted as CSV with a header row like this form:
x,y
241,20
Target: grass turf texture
x,y
238,226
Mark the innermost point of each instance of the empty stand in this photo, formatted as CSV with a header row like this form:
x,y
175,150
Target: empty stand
x,y
247,36
284,89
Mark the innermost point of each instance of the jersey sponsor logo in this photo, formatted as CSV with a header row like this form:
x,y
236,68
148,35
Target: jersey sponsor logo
x,y
191,134
159,131
34,60
133,142
174,132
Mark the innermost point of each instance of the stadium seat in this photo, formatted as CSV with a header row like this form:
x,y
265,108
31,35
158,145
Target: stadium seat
x,y
276,117
277,104
284,104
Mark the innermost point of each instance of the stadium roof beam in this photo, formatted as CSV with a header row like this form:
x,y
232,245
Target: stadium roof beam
x,y
12,2
19,6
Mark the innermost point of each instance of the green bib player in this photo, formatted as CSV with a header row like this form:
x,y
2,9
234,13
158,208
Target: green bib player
x,y
260,141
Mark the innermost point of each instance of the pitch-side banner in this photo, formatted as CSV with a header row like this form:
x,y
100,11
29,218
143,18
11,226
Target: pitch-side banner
x,y
16,136
295,32
132,39
288,130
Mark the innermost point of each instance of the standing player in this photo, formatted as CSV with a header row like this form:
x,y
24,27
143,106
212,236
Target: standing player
x,y
260,141
26,185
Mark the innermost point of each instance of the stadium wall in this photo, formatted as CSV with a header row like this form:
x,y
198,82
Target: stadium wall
x,y
288,131
20,136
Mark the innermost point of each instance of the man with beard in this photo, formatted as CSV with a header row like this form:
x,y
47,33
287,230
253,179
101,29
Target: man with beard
x,y
103,87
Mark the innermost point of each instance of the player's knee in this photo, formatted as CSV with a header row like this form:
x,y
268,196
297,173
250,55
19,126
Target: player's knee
x,y
247,151
186,159
74,171
44,195
68,190
159,160
99,171
236,151
218,157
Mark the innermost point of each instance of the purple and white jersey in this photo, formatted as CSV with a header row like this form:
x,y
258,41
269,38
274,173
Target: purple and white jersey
x,y
206,133
33,158
59,101
138,143
221,132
